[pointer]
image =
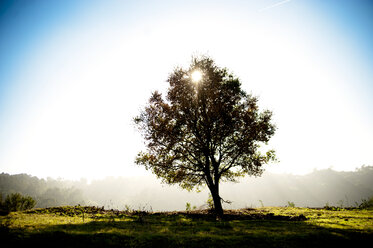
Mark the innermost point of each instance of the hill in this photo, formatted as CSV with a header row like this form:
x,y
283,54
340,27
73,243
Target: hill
x,y
317,189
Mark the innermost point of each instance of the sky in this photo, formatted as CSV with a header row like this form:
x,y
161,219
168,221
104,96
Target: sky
x,y
73,74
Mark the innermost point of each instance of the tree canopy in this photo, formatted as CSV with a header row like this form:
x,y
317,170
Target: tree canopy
x,y
204,130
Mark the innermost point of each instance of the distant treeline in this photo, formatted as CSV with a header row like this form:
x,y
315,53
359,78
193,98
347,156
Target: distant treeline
x,y
317,189
46,193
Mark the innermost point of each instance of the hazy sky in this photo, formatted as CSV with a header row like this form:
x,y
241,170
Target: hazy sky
x,y
73,74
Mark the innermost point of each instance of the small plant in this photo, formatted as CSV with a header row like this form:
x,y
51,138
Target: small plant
x,y
188,207
332,208
261,203
340,203
142,212
291,204
210,202
82,210
127,208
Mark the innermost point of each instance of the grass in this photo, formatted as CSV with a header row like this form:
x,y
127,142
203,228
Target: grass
x,y
261,227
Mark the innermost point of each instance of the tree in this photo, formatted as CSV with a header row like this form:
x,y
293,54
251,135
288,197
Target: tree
x,y
17,202
207,129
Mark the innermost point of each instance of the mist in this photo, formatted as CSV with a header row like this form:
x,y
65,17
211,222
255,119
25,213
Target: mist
x,y
316,189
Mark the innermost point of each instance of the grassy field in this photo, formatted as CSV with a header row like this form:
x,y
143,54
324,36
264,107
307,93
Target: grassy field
x,y
260,227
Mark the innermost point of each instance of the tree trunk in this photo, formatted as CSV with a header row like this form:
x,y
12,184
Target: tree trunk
x,y
218,208
213,185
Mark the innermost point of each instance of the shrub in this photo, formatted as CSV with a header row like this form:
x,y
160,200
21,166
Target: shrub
x,y
17,202
210,202
366,203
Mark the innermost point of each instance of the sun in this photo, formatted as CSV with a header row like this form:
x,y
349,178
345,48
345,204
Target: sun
x,y
196,76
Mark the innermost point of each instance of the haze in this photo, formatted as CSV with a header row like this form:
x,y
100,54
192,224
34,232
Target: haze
x,y
73,74
317,189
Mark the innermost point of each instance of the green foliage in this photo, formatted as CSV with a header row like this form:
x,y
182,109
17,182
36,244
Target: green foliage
x,y
332,208
210,202
127,208
203,132
17,202
291,204
46,193
366,203
189,207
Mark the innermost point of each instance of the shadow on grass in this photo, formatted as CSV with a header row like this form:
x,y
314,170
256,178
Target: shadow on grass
x,y
185,231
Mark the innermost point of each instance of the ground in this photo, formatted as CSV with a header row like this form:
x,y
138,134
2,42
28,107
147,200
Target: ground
x,y
260,227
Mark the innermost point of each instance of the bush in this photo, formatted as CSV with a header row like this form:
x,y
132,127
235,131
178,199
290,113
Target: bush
x,y
366,203
17,202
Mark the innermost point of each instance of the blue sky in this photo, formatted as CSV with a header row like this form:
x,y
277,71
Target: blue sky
x,y
352,22
74,73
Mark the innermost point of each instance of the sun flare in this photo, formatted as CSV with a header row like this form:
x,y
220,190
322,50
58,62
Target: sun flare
x,y
196,76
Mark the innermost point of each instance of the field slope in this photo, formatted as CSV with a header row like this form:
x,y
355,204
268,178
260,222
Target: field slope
x,y
260,227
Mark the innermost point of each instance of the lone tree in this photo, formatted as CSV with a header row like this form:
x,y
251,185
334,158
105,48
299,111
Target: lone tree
x,y
207,129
